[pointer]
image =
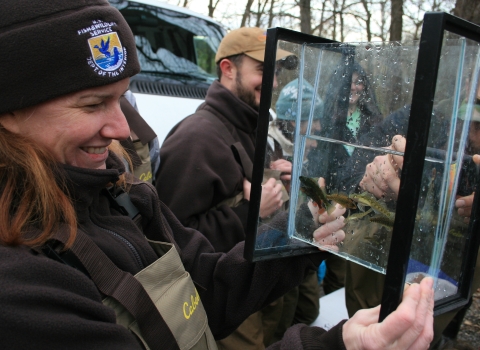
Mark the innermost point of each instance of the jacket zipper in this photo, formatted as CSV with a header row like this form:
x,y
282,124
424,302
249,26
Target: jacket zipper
x,y
128,244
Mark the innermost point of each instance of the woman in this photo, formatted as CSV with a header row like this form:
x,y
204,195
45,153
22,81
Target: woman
x,y
62,188
350,112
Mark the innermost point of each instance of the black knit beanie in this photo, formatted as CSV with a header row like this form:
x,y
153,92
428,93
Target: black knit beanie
x,y
50,48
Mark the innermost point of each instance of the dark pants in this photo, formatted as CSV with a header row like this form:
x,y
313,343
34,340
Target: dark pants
x,y
255,330
300,305
335,274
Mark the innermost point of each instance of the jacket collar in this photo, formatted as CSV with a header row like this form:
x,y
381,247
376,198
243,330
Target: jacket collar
x,y
229,106
84,185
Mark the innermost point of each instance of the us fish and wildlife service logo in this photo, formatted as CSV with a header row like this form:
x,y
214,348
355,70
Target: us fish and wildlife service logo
x,y
107,51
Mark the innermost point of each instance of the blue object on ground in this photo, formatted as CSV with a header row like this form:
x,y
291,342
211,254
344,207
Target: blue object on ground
x,y
322,269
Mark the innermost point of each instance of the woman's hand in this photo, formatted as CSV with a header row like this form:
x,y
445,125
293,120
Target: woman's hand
x,y
330,232
408,327
382,175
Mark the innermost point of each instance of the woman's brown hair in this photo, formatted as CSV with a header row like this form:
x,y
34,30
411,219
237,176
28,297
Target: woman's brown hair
x,y
31,199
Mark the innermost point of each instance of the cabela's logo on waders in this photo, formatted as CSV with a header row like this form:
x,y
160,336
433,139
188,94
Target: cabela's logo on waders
x,y
107,51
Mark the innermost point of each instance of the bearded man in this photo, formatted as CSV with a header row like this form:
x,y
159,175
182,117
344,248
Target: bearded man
x,y
205,183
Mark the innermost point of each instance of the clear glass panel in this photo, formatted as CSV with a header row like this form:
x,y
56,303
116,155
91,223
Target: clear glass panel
x,y
355,99
272,232
440,237
346,135
367,95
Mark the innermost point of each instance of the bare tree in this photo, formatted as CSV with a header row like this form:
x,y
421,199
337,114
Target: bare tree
x,y
305,16
382,24
246,13
212,5
414,11
468,9
366,17
396,20
322,20
271,15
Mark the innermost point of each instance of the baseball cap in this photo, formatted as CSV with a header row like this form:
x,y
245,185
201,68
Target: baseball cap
x,y
286,106
249,41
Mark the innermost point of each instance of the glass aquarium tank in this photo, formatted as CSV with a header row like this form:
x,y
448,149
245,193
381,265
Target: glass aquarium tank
x,y
381,136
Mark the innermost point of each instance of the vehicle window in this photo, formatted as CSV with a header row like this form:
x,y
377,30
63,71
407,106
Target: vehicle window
x,y
171,43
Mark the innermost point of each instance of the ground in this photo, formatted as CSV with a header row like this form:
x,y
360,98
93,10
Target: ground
x,y
469,335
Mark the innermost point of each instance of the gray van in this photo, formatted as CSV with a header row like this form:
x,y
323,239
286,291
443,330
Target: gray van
x,y
176,48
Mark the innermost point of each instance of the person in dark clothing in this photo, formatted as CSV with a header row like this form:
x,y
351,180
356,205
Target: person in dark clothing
x,y
63,205
199,171
203,182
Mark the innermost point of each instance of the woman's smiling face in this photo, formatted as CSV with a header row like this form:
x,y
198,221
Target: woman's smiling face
x,y
76,128
356,89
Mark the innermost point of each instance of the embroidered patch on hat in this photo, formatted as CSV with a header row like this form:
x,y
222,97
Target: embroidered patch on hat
x,y
108,55
107,51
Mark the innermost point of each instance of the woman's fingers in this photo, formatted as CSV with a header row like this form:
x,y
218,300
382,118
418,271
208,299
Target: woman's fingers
x,y
330,233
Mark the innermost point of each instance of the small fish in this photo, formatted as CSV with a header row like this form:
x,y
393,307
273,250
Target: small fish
x,y
342,199
383,220
456,233
311,188
358,215
367,199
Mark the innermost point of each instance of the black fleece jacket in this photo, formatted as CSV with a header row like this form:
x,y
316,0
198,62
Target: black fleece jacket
x,y
198,168
48,305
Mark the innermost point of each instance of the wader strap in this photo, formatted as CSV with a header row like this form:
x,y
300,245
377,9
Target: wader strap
x,y
237,148
135,121
132,152
245,161
124,288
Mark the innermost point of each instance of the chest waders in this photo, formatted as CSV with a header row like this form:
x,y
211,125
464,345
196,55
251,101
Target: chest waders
x,y
160,304
175,297
138,147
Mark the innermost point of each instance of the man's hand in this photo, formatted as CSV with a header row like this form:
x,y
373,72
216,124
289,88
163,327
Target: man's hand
x,y
271,199
382,175
464,204
408,327
285,167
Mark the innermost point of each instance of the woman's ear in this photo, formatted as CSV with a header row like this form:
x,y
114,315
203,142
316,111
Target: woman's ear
x,y
9,121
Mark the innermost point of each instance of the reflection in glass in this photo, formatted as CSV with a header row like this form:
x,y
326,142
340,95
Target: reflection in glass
x,y
347,131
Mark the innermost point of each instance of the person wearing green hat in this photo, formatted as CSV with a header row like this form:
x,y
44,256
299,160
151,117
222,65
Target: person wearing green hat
x,y
281,129
301,304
